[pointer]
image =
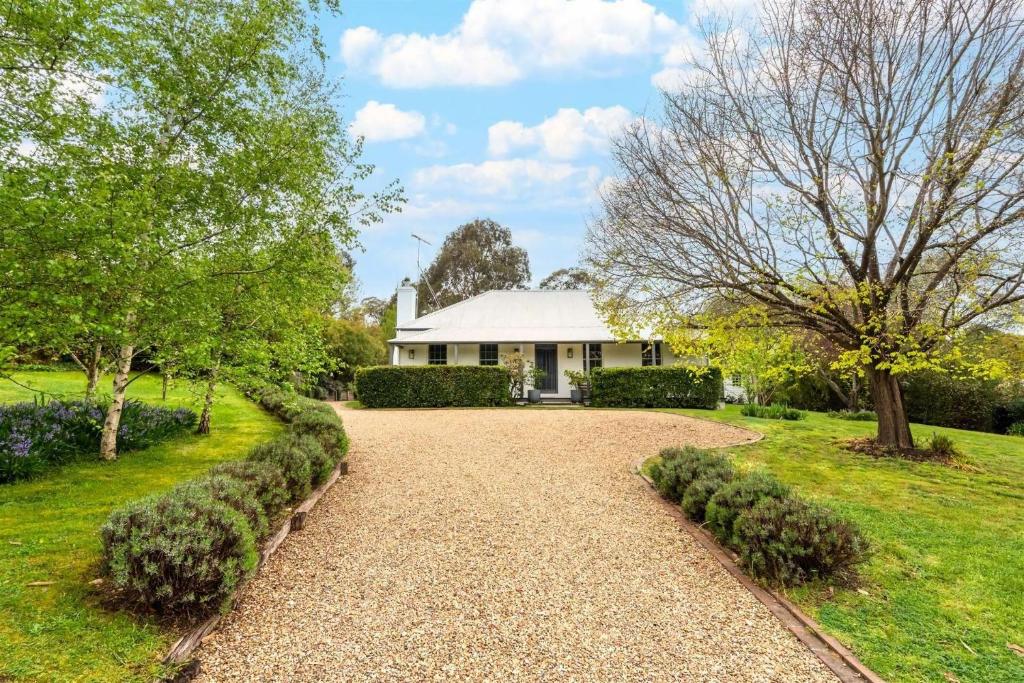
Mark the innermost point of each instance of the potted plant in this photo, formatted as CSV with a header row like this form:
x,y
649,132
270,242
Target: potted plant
x,y
577,379
536,376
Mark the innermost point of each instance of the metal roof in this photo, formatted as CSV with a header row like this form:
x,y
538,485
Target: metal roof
x,y
527,315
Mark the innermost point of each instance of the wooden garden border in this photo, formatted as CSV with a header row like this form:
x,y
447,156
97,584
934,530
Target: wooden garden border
x,y
833,654
187,644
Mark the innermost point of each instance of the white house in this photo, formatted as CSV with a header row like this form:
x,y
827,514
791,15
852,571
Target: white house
x,y
557,330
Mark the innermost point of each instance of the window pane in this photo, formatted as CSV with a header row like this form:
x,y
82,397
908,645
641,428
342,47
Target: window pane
x,y
437,354
488,354
594,360
650,354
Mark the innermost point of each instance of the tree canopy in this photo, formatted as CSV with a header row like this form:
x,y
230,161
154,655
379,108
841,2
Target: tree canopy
x,y
855,169
474,258
567,278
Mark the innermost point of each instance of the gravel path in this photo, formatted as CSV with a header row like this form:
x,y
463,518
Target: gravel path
x,y
510,545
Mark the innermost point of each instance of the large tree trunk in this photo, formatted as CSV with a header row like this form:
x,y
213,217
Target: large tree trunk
x,y
108,439
893,425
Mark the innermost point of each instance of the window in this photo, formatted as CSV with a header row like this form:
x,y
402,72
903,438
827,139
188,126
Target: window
x,y
437,354
488,354
594,356
650,354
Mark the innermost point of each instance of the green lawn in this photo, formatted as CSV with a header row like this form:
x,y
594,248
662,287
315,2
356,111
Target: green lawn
x,y
48,532
945,587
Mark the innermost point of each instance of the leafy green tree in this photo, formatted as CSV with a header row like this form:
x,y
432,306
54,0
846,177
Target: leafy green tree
x,y
351,344
216,144
567,278
476,257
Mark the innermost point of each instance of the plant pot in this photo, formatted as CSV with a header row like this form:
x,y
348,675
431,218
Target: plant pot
x,y
533,395
575,395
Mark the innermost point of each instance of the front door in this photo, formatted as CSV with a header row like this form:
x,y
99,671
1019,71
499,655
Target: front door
x,y
546,358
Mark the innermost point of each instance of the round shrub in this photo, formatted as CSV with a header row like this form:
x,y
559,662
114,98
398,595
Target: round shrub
x,y
699,492
320,463
737,496
178,555
293,464
679,468
788,541
326,428
263,480
231,492
1016,429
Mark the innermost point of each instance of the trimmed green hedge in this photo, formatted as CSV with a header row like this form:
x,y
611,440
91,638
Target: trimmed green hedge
x,y
433,386
656,387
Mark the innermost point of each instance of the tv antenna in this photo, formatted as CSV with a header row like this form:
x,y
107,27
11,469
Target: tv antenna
x,y
419,242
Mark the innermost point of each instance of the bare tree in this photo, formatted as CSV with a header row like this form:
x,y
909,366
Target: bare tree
x,y
855,166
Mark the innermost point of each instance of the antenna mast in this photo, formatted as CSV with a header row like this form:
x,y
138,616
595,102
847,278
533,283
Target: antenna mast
x,y
421,241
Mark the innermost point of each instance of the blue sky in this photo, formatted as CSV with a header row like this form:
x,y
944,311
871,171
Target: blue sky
x,y
499,109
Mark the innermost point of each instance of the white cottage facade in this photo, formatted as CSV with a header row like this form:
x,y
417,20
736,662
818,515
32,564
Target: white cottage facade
x,y
555,330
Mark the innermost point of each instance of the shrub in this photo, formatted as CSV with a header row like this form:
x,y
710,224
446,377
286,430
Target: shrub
x,y
263,480
1016,429
178,555
433,386
773,412
854,415
231,492
788,541
678,468
736,497
942,445
293,464
656,387
37,436
949,400
699,492
320,462
326,428
1008,414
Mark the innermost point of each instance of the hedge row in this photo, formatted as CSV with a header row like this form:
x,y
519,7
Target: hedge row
x,y
779,537
433,386
656,387
186,552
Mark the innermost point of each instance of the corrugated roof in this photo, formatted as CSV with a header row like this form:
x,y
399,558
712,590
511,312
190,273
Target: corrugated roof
x,y
531,315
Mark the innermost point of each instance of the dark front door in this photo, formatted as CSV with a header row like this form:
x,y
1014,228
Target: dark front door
x,y
546,358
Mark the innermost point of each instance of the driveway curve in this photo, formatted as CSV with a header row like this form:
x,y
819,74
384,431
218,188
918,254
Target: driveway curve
x,y
511,545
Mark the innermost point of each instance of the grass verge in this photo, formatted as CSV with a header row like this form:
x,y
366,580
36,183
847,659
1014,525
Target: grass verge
x,y
944,591
49,533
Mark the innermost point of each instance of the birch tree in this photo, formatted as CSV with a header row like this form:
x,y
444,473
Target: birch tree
x,y
853,166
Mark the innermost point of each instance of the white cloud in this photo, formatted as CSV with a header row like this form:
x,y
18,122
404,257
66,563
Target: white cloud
x,y
565,135
499,42
511,179
379,122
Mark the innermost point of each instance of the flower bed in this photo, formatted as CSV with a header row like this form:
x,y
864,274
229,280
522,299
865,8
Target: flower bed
x,y
37,436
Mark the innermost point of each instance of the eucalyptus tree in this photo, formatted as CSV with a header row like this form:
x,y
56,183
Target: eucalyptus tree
x,y
216,135
853,167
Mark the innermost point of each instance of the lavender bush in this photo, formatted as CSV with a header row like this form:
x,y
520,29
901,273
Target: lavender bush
x,y
37,436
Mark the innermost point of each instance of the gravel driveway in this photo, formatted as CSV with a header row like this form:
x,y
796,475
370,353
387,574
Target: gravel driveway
x,y
510,545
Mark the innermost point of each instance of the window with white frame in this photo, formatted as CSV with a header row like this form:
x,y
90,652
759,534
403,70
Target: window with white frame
x,y
650,354
437,354
488,354
593,356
